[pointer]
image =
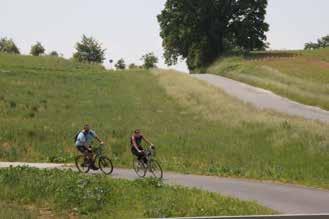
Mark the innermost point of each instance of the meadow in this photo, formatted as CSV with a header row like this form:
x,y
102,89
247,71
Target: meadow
x,y
302,76
67,194
196,127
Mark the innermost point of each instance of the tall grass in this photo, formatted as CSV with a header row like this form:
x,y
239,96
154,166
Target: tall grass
x,y
67,193
196,127
302,78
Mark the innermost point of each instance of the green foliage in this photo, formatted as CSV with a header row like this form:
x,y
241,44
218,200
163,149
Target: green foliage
x,y
321,43
150,60
8,46
37,49
89,50
98,196
120,65
132,66
200,31
41,102
54,53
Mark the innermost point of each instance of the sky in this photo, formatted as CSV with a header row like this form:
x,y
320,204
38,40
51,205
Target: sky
x,y
129,28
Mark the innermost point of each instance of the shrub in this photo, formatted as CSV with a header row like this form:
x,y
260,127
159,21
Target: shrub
x,y
120,65
37,49
150,60
89,50
8,46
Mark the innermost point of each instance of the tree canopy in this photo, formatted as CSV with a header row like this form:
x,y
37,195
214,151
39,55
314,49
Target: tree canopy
x,y
323,42
8,46
89,50
120,65
37,49
202,30
150,60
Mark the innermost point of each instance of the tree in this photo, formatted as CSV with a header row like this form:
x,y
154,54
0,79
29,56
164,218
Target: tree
x,y
54,53
89,50
150,60
8,46
37,49
200,31
120,65
323,42
133,66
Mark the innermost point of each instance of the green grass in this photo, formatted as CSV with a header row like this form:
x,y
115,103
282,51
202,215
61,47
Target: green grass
x,y
196,127
303,78
12,211
66,193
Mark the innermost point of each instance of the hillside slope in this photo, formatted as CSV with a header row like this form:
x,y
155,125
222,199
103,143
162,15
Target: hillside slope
x,y
301,76
196,127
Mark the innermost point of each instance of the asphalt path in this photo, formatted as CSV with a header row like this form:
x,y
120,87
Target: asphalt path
x,y
264,99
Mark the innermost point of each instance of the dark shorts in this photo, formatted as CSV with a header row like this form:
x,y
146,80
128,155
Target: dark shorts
x,y
82,149
137,153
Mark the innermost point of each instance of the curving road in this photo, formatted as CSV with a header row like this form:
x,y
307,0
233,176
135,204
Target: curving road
x,y
264,99
283,198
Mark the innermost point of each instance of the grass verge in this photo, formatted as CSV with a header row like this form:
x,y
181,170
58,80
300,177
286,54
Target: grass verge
x,y
303,78
67,193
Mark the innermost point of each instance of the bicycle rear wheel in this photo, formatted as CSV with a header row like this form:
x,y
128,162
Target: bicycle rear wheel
x,y
82,163
155,169
105,164
139,167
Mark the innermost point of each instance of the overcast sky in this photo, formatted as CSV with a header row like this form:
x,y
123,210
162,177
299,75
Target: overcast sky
x,y
128,28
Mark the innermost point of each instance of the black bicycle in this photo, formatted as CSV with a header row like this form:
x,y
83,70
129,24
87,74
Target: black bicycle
x,y
152,165
102,162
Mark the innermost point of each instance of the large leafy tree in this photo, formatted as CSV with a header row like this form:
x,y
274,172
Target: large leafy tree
x,y
201,30
89,50
8,46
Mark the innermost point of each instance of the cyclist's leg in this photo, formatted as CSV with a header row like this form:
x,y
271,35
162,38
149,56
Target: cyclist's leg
x,y
140,155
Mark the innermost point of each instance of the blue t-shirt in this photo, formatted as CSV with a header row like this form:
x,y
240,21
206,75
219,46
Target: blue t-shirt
x,y
85,138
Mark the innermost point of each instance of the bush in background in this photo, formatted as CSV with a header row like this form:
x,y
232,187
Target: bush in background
x,y
8,46
89,50
37,49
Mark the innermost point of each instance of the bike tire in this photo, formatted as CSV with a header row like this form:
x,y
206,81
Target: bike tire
x,y
105,165
139,167
81,164
155,169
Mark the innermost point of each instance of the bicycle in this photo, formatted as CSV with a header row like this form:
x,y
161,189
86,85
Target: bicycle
x,y
84,164
152,165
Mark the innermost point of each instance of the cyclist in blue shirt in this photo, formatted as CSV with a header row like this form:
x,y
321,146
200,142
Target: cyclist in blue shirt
x,y
84,140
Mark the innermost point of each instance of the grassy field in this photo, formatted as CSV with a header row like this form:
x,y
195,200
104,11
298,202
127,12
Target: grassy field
x,y
14,211
197,128
67,194
301,76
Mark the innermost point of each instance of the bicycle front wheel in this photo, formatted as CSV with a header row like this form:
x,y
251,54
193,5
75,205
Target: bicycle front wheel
x,y
139,167
105,164
155,169
82,163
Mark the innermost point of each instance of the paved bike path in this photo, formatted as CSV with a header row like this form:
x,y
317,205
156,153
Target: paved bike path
x,y
291,199
264,99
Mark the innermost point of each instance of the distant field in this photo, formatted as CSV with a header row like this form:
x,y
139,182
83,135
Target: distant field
x,y
302,76
67,194
196,127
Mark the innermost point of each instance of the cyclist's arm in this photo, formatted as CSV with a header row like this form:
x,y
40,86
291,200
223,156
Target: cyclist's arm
x,y
99,140
134,143
147,141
